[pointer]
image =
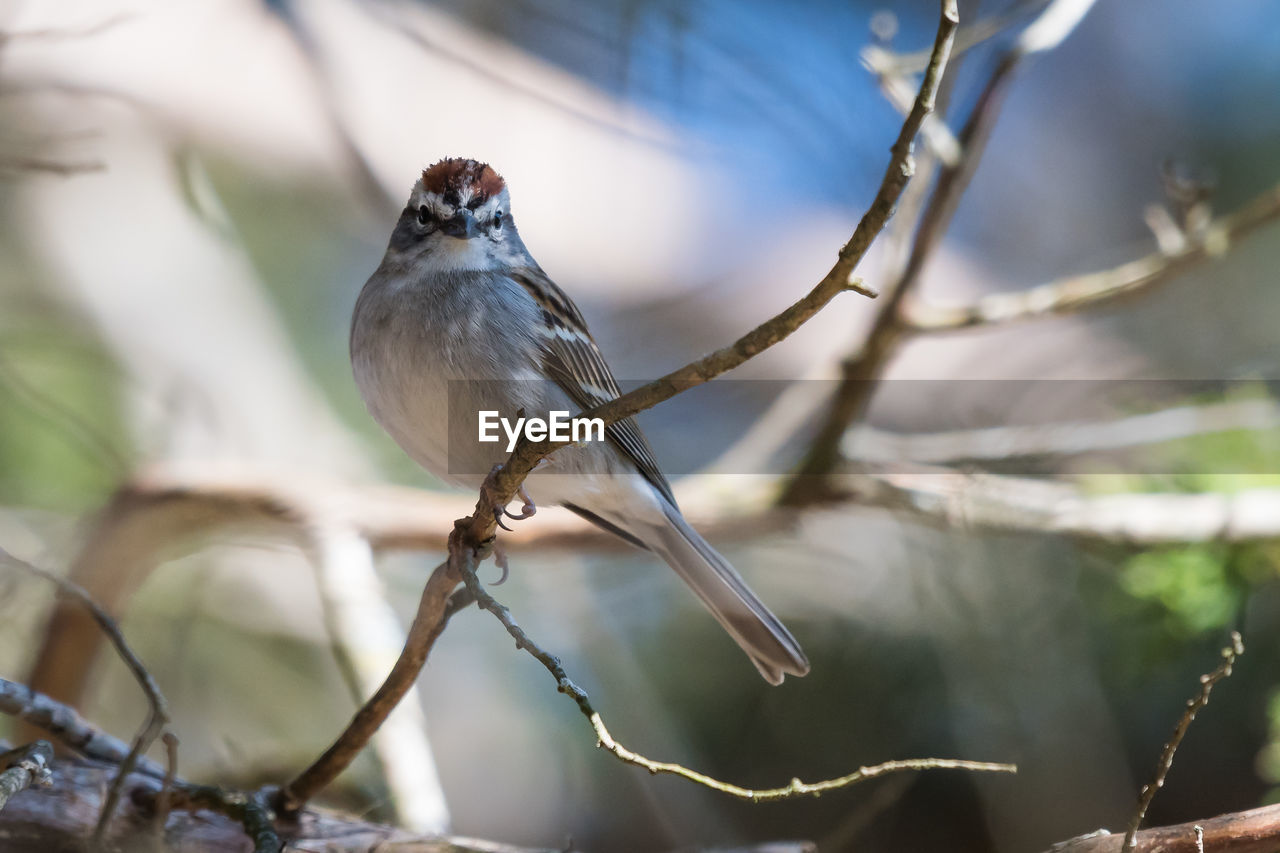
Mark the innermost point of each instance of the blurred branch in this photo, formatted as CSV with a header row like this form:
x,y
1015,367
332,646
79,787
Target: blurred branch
x,y
957,500
67,727
1088,291
22,767
1194,705
14,165
61,816
605,740
865,443
861,369
157,717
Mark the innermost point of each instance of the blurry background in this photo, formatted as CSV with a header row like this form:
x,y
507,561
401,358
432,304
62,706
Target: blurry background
x,y
193,194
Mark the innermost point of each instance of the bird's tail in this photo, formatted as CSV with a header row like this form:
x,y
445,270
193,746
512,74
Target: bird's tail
x,y
765,639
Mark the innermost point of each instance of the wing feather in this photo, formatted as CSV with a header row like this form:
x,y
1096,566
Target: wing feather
x,y
573,360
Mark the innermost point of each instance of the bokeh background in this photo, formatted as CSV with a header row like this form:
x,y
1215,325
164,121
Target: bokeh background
x,y
192,194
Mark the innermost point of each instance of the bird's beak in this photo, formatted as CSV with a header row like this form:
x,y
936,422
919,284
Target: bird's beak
x,y
462,225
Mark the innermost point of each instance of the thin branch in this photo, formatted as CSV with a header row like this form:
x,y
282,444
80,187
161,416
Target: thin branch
x,y
428,623
1078,293
250,810
157,716
606,741
1194,705
501,485
365,635
67,727
1253,831
860,371
23,767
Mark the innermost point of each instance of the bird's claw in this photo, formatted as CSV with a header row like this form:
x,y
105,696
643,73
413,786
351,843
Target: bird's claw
x,y
500,560
527,510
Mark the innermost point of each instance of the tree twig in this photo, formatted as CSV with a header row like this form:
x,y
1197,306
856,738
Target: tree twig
x,y
67,727
500,487
1079,293
158,713
427,625
859,371
1194,705
24,766
606,741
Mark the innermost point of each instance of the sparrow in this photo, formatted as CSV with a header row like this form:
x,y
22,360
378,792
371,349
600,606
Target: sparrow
x,y
459,319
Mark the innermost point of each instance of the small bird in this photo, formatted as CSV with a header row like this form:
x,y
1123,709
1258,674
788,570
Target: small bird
x,y
458,319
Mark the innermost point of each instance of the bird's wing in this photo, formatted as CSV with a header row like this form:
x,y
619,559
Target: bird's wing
x,y
572,359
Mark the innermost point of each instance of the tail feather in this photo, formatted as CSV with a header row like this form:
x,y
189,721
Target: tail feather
x,y
765,639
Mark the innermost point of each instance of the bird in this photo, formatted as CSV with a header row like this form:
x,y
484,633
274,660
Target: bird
x,y
459,319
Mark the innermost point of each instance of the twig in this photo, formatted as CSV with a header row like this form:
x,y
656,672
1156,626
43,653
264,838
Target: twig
x,y
501,485
1078,293
250,810
164,799
428,622
1194,705
1253,831
67,727
22,767
606,741
860,371
157,716
365,634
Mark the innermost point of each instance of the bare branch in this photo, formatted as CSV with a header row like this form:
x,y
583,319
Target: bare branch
x,y
793,790
1079,293
22,767
428,623
1194,705
861,369
158,716
1254,831
66,726
501,485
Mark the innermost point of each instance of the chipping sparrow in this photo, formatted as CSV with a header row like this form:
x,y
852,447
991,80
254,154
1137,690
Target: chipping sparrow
x,y
459,318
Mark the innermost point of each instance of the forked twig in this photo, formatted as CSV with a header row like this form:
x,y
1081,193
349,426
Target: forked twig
x,y
158,714
1194,704
606,741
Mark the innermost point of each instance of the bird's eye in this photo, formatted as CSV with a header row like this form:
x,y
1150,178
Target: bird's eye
x,y
424,214
497,219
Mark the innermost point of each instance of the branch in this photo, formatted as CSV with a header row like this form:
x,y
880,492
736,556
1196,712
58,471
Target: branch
x,y
428,623
22,767
66,726
157,717
365,635
860,370
501,485
1079,293
606,741
1194,705
1253,831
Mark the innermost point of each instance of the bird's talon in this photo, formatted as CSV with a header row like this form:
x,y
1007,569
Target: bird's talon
x,y
500,560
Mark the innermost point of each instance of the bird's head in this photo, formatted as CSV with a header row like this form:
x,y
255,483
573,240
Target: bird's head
x,y
458,218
